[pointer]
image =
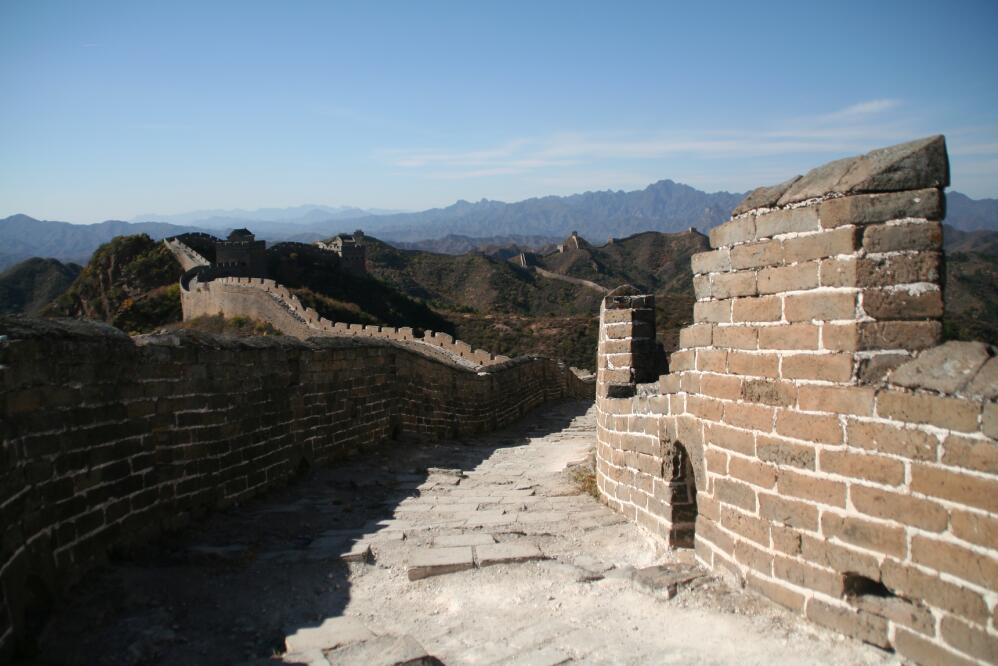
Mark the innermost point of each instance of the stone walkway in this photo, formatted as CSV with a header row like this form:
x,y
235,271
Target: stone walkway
x,y
475,552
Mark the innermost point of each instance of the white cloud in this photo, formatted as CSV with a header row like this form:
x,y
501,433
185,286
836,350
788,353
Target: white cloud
x,y
862,109
722,152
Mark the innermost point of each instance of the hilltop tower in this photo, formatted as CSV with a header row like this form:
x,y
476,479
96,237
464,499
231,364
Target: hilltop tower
x,y
241,255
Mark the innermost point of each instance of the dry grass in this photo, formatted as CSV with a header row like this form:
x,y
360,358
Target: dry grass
x,y
584,477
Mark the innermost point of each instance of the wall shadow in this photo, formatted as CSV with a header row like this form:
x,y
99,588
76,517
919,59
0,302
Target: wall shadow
x,y
230,587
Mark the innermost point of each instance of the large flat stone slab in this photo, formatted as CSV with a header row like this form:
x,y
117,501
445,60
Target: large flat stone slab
x,y
503,553
470,539
384,651
331,634
438,561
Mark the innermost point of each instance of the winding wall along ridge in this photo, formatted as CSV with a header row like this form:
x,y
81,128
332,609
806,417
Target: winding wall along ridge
x,y
202,294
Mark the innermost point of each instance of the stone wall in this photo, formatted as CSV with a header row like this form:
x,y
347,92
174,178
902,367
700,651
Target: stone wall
x,y
264,299
107,441
811,439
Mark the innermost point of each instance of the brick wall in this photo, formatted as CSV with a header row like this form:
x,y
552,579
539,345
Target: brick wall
x,y
811,439
266,300
108,441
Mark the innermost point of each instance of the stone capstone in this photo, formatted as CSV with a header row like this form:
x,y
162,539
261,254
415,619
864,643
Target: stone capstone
x,y
907,166
946,368
764,197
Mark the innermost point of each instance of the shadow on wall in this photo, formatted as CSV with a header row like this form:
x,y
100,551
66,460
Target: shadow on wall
x,y
233,586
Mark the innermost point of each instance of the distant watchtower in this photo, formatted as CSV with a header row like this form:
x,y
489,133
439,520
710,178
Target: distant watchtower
x,y
242,255
350,248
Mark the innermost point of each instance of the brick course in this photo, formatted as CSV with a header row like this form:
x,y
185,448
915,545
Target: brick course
x,y
868,505
110,441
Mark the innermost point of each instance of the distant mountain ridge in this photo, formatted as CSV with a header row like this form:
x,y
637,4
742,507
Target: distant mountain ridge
x,y
23,237
665,206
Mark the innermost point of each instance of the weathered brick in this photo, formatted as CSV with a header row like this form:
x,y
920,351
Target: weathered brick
x,y
776,592
810,427
989,420
735,493
697,335
825,367
785,539
701,287
866,534
970,640
813,488
867,628
733,231
755,417
892,237
872,335
629,329
769,392
921,651
706,408
883,270
754,472
903,303
786,221
864,209
795,514
753,557
957,560
717,461
841,559
681,360
712,312
710,262
729,285
762,309
894,439
782,452
808,576
841,400
755,365
721,386
820,245
789,336
730,438
820,306
757,255
896,609
970,453
975,528
942,412
878,469
911,582
902,508
712,360
776,280
748,527
736,337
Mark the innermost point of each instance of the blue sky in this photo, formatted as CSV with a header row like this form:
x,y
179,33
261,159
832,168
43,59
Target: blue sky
x,y
117,109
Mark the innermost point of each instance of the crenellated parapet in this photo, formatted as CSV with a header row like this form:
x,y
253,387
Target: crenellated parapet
x,y
812,439
202,294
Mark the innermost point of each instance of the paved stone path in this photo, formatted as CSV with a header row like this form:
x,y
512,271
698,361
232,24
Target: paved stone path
x,y
473,552
506,562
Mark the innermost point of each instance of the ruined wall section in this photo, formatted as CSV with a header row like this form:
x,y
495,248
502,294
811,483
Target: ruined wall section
x,y
108,441
844,465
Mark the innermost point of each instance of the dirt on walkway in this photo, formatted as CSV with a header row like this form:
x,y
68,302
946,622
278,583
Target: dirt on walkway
x,y
467,552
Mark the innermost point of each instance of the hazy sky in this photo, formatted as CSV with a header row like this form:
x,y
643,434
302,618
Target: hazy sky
x,y
116,109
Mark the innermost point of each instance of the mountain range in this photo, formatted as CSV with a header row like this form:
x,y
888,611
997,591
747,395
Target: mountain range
x,y
665,206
